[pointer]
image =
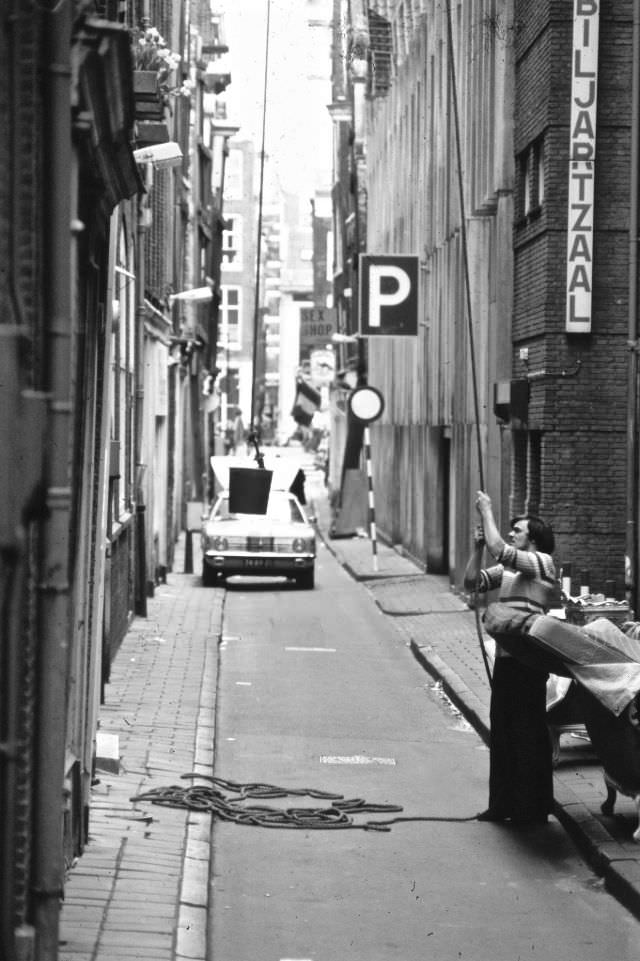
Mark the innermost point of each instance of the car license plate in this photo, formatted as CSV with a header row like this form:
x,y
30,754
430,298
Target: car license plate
x,y
254,562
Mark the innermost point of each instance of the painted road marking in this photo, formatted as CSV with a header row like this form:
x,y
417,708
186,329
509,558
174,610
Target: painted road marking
x,y
244,683
356,759
327,650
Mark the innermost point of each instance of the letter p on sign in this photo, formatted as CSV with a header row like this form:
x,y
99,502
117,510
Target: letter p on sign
x,y
388,291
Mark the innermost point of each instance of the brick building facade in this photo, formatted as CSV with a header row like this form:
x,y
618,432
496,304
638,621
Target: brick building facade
x,y
97,369
571,463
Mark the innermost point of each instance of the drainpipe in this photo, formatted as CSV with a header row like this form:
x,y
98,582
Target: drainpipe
x,y
631,558
54,608
144,211
141,524
12,329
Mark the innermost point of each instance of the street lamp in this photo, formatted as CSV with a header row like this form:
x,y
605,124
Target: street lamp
x,y
161,155
195,295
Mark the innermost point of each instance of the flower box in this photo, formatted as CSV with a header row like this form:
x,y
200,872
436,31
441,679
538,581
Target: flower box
x,y
150,110
151,131
146,84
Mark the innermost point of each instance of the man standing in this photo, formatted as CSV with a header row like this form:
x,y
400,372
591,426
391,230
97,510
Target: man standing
x,y
520,760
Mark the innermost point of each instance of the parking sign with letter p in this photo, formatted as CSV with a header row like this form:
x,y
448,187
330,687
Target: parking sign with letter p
x,y
388,295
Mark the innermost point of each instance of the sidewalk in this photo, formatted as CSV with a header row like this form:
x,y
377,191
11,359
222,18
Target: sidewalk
x,y
127,899
140,888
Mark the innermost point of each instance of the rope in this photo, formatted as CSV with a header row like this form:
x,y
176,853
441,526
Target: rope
x,y
465,259
339,814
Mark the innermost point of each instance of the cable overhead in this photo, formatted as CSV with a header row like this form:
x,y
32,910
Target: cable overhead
x,y
253,427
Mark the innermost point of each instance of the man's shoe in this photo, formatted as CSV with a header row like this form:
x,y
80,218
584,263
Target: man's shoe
x,y
491,815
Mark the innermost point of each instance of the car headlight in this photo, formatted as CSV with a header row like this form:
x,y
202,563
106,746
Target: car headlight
x,y
219,543
301,545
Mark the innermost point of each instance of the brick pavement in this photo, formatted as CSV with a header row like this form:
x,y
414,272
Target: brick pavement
x,y
140,888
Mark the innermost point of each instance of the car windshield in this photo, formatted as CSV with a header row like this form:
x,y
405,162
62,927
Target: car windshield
x,y
281,507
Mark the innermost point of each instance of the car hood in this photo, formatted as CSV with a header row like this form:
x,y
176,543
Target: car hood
x,y
257,527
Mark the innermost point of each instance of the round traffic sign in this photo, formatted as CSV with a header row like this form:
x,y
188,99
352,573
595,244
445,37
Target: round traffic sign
x,y
366,404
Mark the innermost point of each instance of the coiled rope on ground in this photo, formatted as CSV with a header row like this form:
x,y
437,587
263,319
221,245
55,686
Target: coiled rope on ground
x,y
339,814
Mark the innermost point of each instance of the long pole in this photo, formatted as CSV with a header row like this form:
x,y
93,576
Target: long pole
x,y
465,258
255,427
463,232
631,546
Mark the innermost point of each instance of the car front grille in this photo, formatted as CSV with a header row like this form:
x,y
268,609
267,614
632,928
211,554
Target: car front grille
x,y
259,545
256,544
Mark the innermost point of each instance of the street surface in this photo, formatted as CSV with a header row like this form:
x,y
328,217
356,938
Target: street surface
x,y
317,690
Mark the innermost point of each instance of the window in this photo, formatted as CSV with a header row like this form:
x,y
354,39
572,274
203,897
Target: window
x,y
526,480
532,503
230,315
532,179
540,173
232,244
122,413
518,472
381,55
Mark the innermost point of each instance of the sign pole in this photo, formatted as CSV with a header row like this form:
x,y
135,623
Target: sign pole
x,y
366,405
388,306
372,509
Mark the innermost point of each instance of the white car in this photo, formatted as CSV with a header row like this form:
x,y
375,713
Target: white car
x,y
280,543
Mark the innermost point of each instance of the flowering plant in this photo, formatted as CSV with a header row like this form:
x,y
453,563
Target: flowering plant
x,y
150,52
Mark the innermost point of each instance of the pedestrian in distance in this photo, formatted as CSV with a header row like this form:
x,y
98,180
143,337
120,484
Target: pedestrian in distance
x,y
520,753
239,433
229,447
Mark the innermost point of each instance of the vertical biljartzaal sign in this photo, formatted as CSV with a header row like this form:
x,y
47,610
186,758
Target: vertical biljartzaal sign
x,y
582,158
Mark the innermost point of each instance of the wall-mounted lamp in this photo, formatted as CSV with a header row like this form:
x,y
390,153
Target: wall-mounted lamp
x,y
161,155
195,295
